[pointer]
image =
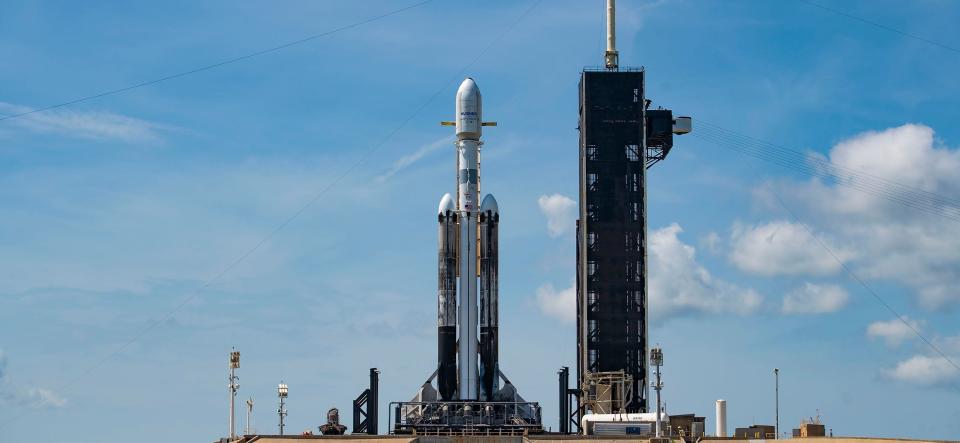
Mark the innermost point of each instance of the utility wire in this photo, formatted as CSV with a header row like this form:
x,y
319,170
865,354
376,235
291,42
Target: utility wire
x,y
880,25
862,283
214,65
852,184
828,166
843,180
372,149
903,194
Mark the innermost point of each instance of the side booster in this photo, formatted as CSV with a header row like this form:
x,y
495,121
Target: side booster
x,y
447,303
489,293
462,259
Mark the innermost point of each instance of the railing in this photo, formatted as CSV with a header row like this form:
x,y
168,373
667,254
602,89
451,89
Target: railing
x,y
620,69
466,418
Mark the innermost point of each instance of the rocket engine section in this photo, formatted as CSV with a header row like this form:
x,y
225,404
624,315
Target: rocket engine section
x,y
489,293
447,300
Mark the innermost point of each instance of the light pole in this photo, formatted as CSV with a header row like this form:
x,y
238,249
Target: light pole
x,y
776,377
656,358
282,412
233,386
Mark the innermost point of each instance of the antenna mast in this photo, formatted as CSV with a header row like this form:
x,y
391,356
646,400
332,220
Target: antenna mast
x,y
233,386
611,58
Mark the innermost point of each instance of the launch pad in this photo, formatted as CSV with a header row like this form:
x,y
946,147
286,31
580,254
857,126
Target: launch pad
x,y
466,418
505,414
619,139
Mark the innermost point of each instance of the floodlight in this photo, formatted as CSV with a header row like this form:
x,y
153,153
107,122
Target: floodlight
x,y
656,357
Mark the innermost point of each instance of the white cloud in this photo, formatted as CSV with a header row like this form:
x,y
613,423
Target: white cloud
x,y
782,248
13,395
926,370
409,159
40,398
679,285
893,241
560,211
96,125
711,242
893,332
560,304
815,299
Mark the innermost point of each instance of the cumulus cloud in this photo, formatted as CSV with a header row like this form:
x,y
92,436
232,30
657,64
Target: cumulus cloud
x,y
893,241
679,284
711,242
96,125
926,370
781,248
815,299
13,395
561,212
560,304
894,332
40,398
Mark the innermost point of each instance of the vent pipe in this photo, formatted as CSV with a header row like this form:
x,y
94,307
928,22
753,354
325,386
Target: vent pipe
x,y
611,57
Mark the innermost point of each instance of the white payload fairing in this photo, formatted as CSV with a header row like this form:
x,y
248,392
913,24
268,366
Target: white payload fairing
x,y
468,261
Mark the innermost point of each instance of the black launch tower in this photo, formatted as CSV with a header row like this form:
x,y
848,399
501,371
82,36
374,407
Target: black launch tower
x,y
620,138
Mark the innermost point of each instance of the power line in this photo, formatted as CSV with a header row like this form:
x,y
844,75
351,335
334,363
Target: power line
x,y
881,26
906,195
862,283
726,142
215,65
866,187
372,149
879,193
831,167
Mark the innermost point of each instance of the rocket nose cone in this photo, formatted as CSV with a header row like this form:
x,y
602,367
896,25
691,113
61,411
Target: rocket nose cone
x,y
489,204
468,90
468,84
446,204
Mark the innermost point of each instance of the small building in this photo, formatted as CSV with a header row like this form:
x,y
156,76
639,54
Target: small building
x,y
812,430
688,426
755,432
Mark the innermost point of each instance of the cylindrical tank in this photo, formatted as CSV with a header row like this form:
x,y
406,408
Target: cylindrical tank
x,y
447,299
467,362
721,418
489,294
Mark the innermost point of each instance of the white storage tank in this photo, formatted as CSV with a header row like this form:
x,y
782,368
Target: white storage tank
x,y
721,418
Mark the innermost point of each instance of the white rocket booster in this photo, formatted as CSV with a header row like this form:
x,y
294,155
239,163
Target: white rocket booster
x,y
469,125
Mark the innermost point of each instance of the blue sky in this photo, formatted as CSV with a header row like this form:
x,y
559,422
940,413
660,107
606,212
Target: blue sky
x,y
113,212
